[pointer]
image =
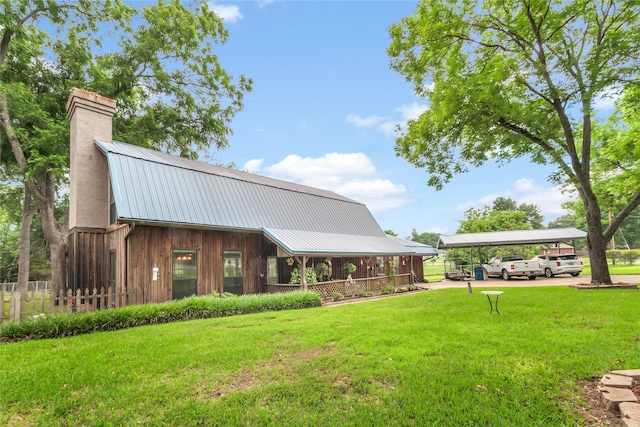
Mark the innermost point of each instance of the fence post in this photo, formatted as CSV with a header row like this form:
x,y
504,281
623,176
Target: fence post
x,y
14,307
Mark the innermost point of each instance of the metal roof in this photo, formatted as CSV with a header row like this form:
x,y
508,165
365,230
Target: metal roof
x,y
154,187
506,238
297,242
417,247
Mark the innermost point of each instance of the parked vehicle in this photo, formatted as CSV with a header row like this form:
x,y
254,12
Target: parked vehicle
x,y
454,270
512,266
560,264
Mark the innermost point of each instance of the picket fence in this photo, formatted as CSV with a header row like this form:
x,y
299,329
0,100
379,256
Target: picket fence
x,y
20,305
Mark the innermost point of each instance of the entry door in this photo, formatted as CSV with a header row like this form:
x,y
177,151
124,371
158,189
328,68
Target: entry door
x,y
232,272
185,273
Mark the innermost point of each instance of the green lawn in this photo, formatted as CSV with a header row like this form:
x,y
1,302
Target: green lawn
x,y
428,358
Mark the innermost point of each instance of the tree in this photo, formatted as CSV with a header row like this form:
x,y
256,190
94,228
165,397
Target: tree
x,y
564,221
532,212
425,238
508,79
499,217
172,93
390,233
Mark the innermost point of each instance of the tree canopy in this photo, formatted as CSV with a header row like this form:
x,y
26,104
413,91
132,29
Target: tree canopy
x,y
513,78
159,64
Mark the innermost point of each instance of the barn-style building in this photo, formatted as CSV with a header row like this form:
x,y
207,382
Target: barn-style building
x,y
155,227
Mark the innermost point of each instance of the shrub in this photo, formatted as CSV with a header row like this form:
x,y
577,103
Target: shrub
x,y
614,255
630,257
403,289
322,271
350,267
337,296
62,325
309,272
365,294
389,289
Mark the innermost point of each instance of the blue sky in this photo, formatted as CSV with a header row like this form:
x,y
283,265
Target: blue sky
x,y
324,107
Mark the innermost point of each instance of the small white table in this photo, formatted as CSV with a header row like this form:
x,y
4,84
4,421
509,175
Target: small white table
x,y
489,294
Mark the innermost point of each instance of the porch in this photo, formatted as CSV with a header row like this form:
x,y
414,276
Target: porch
x,y
330,289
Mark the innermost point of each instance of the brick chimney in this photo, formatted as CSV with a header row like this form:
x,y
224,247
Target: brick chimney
x,y
90,117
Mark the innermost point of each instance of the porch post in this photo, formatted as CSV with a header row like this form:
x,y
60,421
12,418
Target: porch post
x,y
303,272
367,260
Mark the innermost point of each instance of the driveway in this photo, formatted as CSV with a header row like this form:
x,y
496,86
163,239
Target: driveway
x,y
525,282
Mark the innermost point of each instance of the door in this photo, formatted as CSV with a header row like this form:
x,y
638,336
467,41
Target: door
x,y
232,272
185,273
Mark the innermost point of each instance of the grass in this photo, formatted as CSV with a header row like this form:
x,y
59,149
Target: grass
x,y
428,358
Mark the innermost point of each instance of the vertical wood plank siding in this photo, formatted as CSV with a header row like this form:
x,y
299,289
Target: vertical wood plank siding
x,y
151,247
116,243
147,247
87,259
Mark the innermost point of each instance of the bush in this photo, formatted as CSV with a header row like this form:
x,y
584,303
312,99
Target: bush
x,y
630,257
309,272
337,296
68,324
389,289
365,294
350,267
614,255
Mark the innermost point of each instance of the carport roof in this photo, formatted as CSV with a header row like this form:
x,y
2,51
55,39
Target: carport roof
x,y
506,238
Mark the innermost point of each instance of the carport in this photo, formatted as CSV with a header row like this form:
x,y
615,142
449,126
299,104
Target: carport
x,y
509,238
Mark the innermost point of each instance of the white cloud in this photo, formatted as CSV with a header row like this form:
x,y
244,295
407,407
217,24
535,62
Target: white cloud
x,y
364,121
606,100
412,112
226,12
253,165
389,126
264,3
525,190
525,185
352,175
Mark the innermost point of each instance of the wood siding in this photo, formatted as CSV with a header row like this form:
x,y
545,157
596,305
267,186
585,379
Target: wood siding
x,y
138,249
86,259
150,247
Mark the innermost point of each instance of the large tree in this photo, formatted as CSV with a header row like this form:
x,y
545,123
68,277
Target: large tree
x,y
513,78
159,64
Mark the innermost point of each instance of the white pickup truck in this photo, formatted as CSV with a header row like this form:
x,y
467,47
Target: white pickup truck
x,y
512,265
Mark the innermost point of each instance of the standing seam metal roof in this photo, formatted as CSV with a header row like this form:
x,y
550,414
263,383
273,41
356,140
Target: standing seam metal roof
x,y
157,187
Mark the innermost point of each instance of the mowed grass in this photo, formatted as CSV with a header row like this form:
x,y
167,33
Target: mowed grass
x,y
424,359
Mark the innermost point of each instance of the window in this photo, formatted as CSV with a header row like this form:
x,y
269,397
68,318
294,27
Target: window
x,y
232,272
185,273
272,270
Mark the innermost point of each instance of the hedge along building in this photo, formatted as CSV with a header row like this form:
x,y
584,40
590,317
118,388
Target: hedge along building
x,y
156,227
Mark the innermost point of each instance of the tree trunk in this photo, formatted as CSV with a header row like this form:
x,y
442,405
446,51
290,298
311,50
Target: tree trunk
x,y
54,232
596,243
42,190
24,260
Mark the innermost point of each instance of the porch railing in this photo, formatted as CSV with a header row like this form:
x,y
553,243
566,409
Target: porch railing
x,y
327,290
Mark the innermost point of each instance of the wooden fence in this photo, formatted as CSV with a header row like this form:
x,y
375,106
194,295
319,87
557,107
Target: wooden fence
x,y
17,306
20,305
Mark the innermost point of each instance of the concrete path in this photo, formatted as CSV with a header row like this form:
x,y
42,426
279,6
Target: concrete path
x,y
525,282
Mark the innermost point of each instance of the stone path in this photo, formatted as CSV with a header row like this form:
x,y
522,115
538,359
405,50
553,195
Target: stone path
x,y
617,393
